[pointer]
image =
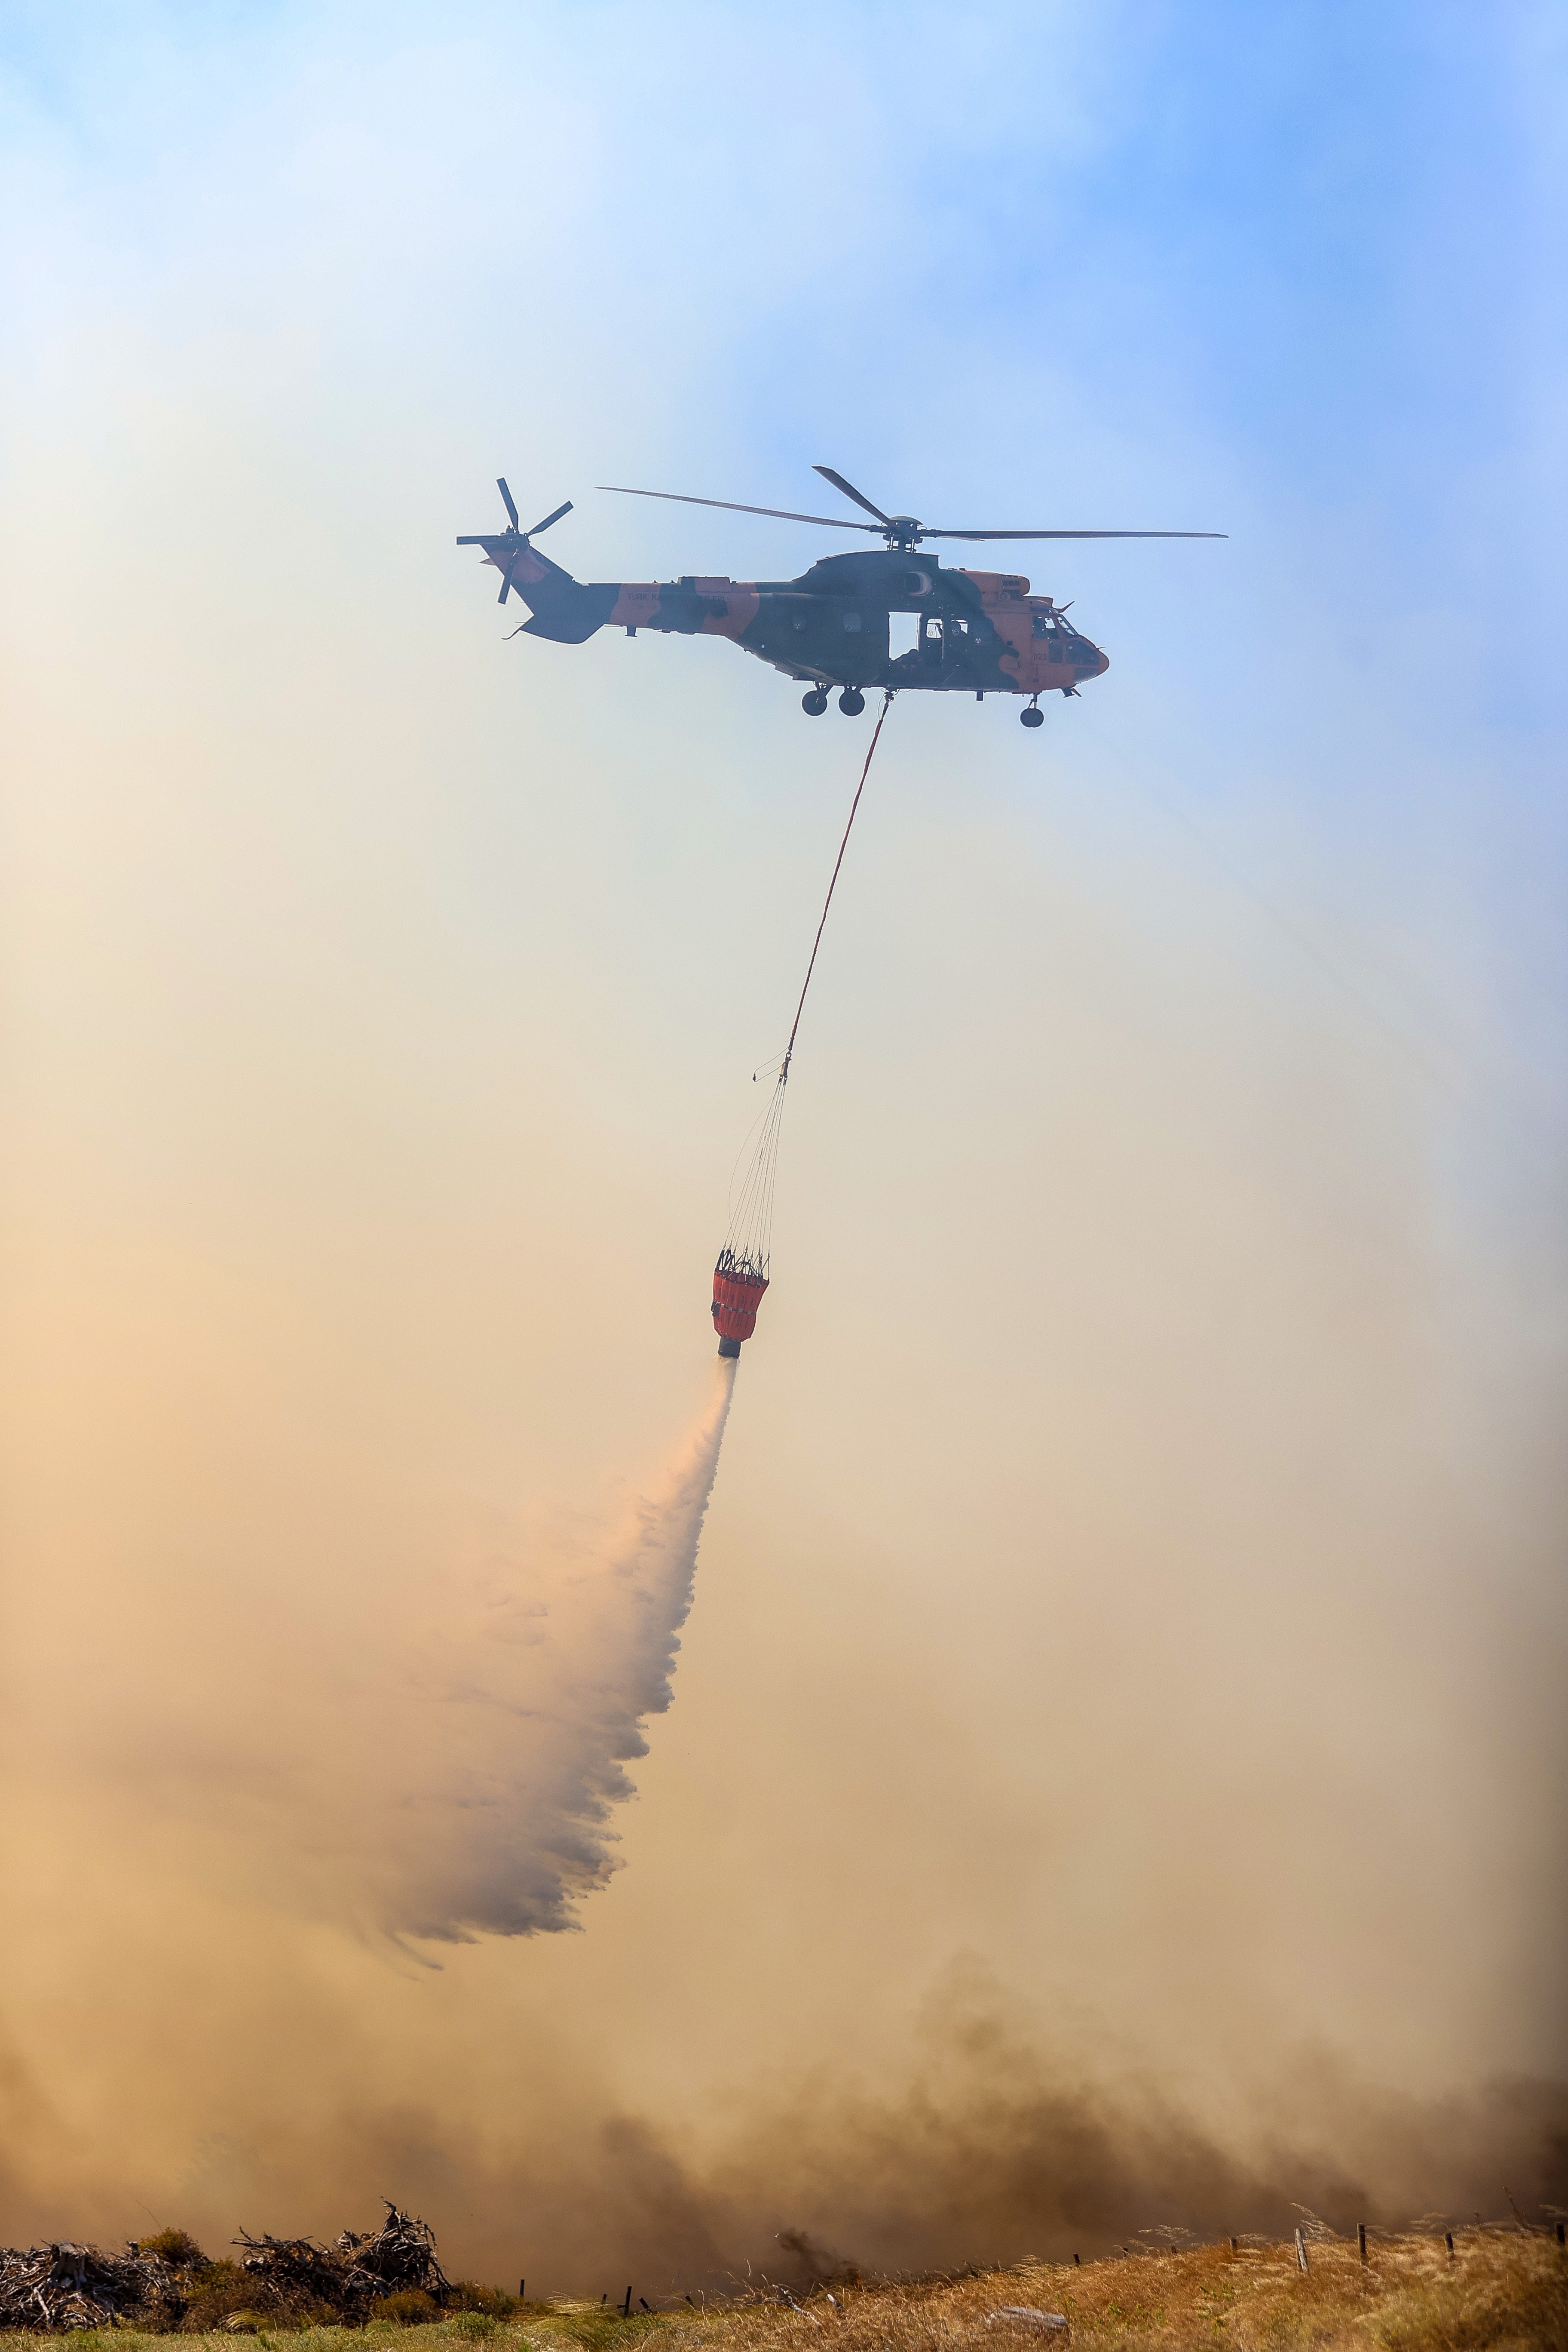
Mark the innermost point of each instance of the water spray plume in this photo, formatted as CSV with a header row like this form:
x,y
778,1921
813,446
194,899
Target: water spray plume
x,y
519,1845
521,1677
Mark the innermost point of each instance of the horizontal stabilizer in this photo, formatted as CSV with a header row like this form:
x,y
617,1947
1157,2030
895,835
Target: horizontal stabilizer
x,y
568,624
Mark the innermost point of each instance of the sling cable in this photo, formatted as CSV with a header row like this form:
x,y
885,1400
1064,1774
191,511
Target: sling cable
x,y
741,1276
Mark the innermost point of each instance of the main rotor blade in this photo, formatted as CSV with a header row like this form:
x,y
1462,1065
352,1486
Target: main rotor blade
x,y
510,501
781,514
878,529
548,520
506,582
849,490
933,533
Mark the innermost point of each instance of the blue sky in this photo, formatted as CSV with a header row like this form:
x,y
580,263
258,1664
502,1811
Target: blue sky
x,y
1145,265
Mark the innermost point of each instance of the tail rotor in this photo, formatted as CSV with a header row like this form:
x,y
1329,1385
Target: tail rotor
x,y
505,547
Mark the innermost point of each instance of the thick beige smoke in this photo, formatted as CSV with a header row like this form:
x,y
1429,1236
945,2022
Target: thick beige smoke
x,y
1139,1612
447,1760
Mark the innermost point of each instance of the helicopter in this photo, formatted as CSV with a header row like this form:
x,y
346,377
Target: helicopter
x,y
975,632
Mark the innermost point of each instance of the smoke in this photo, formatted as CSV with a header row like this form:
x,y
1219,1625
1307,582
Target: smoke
x,y
995,2140
433,1751
1137,1571
1004,2143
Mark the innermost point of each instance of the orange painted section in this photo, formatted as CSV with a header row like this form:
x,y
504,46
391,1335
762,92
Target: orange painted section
x,y
1005,598
1014,623
637,602
998,587
525,565
735,1304
1011,610
637,605
740,605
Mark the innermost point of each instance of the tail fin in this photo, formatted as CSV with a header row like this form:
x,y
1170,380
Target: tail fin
x,y
561,607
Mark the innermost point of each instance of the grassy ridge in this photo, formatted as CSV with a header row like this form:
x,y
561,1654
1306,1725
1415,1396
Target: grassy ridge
x,y
1501,2292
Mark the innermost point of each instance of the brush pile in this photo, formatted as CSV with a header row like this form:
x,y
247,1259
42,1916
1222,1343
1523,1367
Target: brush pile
x,y
351,2273
66,2286
167,2283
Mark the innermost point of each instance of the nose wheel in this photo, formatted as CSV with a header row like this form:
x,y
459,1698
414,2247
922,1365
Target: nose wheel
x,y
1032,717
815,703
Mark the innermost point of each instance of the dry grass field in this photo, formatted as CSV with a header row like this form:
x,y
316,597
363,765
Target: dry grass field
x,y
1502,2289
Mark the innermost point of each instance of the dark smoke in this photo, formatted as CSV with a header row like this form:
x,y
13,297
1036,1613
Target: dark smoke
x,y
816,2263
987,2156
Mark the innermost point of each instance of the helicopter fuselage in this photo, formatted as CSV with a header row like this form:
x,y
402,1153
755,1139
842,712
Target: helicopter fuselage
x,y
976,631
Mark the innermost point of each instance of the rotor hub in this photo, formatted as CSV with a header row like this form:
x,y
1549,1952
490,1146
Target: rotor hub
x,y
904,531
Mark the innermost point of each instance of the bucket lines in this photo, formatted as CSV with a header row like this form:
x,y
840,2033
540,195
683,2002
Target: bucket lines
x,y
741,1273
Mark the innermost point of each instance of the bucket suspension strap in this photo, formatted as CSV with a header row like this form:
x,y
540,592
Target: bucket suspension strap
x,y
811,967
741,1276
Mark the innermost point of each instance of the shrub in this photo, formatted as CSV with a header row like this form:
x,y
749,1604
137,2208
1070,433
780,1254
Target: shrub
x,y
215,2295
410,2307
469,2295
175,2247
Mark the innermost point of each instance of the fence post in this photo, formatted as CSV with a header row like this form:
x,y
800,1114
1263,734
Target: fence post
x,y
626,2306
1448,2241
1301,2262
1361,2239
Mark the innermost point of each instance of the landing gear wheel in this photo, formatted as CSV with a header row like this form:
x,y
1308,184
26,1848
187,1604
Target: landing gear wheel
x,y
1032,718
852,702
815,703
